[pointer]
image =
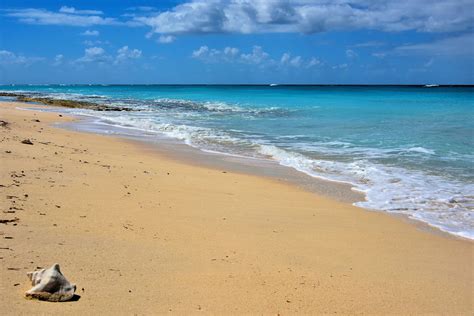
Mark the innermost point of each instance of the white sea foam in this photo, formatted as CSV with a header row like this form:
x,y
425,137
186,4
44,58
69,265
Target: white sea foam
x,y
440,202
422,150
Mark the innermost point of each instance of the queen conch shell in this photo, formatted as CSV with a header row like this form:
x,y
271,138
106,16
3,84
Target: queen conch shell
x,y
50,285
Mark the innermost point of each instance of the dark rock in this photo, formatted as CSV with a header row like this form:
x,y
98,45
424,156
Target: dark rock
x,y
27,142
64,103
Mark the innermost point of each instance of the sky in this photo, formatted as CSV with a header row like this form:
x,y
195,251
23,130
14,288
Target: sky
x,y
237,41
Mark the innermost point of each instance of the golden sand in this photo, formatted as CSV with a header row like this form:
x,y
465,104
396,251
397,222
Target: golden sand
x,y
141,233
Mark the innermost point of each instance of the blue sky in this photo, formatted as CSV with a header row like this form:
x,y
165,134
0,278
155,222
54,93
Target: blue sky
x,y
237,41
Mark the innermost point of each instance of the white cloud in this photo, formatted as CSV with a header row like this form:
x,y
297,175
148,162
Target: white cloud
x,y
142,8
314,62
351,54
429,63
126,53
311,16
368,44
453,46
287,60
71,10
231,51
211,55
200,52
379,55
90,33
58,60
68,16
10,58
94,54
98,55
340,66
95,42
296,61
166,39
257,56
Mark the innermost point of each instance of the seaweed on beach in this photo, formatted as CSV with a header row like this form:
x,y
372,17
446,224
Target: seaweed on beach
x,y
4,123
65,103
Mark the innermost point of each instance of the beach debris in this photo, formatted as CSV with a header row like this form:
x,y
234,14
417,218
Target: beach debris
x,y
3,123
27,141
50,285
6,221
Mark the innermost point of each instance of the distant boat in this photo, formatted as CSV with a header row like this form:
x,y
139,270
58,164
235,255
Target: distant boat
x,y
273,84
431,85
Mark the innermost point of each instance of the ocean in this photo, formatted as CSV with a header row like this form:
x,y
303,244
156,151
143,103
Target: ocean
x,y
409,149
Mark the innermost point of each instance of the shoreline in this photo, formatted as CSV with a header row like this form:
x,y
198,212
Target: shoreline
x,y
339,191
152,234
175,149
367,184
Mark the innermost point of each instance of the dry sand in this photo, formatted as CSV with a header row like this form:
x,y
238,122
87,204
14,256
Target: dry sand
x,y
140,233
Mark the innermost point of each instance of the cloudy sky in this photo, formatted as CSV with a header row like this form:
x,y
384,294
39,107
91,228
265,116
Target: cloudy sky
x,y
237,41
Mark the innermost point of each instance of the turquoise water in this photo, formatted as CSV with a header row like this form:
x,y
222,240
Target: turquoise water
x,y
409,149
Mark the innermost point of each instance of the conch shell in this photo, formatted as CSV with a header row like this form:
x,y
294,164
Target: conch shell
x,y
50,285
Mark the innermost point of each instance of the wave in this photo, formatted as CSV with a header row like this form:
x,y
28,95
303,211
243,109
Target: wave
x,y
214,107
421,150
445,204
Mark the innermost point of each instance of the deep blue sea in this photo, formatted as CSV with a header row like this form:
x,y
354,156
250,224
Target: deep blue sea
x,y
409,149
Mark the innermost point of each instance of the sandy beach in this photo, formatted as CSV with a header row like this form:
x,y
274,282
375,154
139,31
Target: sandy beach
x,y
141,233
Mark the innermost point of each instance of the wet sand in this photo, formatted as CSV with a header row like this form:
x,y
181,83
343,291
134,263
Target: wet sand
x,y
141,233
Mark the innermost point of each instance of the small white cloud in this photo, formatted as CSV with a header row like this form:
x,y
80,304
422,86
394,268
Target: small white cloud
x,y
285,58
206,54
200,52
90,33
452,46
66,16
166,39
340,66
313,62
58,60
126,53
429,63
295,61
94,54
71,10
379,55
369,44
10,58
231,51
351,54
94,43
257,56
